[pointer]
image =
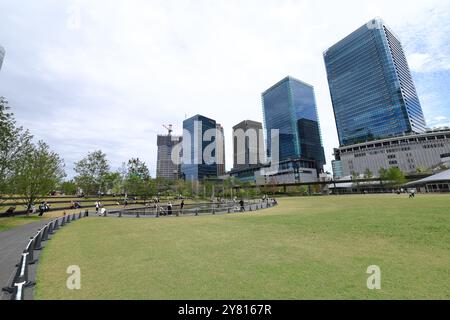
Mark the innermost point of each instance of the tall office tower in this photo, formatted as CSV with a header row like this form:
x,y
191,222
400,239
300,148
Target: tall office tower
x,y
220,150
198,142
2,56
165,167
371,87
248,145
290,107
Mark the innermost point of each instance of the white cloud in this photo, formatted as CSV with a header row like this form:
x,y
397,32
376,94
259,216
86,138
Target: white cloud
x,y
131,66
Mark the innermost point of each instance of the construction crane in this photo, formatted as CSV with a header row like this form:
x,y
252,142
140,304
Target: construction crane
x,y
169,128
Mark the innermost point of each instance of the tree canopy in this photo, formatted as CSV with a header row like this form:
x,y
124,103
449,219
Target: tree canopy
x,y
92,173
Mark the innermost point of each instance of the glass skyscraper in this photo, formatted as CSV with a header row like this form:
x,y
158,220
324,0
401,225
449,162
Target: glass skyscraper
x,y
2,56
371,87
194,166
290,107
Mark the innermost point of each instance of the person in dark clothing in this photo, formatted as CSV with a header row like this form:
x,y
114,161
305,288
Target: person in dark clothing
x,y
182,206
41,209
169,209
241,203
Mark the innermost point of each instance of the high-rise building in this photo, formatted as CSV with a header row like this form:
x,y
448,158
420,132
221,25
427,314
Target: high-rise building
x,y
290,107
248,144
220,150
2,56
371,87
166,168
195,143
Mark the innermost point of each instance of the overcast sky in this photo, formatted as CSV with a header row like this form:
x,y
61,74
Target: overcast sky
x,y
86,75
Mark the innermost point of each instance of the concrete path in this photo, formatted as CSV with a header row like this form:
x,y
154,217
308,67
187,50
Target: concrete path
x,y
12,244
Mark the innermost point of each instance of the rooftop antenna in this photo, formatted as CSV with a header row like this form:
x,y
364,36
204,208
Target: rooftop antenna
x,y
169,128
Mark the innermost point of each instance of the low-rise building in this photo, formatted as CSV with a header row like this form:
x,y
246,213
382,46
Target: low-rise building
x,y
410,153
289,171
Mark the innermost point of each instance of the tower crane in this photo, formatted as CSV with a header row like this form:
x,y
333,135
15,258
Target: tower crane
x,y
169,128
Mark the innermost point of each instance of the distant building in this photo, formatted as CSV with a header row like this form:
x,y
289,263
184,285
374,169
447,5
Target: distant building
x,y
371,87
337,165
439,182
248,145
409,153
220,150
194,166
290,107
289,171
165,167
2,56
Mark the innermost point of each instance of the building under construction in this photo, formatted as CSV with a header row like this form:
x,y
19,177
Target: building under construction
x,y
165,167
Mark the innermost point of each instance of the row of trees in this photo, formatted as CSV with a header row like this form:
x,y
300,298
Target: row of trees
x,y
392,176
28,169
33,171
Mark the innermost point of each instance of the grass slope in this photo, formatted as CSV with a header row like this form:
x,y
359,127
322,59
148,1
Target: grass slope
x,y
306,248
12,222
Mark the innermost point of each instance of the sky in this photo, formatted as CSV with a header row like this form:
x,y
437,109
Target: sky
x,y
89,75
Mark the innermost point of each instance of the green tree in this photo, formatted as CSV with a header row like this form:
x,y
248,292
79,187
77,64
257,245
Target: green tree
x,y
37,172
382,174
69,187
113,182
139,168
138,181
92,173
368,174
355,177
423,170
393,176
14,141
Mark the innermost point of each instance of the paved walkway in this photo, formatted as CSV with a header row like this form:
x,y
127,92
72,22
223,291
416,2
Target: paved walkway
x,y
12,244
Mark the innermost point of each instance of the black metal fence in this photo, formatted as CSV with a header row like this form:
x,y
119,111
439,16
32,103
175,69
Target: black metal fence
x,y
21,280
194,209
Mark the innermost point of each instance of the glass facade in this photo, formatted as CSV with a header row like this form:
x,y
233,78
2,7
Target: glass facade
x,y
2,56
290,107
194,147
371,87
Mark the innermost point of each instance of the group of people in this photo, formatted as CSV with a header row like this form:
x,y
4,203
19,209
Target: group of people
x,y
75,205
43,207
99,209
160,210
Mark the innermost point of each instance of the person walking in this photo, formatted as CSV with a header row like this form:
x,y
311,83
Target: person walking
x,y
182,206
242,204
41,209
97,206
169,208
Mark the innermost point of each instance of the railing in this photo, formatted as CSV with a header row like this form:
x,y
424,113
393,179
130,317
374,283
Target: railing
x,y
158,210
21,279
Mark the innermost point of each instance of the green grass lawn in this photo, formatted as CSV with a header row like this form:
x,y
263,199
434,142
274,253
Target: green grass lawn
x,y
306,248
12,222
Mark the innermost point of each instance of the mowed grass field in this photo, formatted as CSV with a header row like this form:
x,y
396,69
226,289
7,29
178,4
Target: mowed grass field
x,y
306,248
